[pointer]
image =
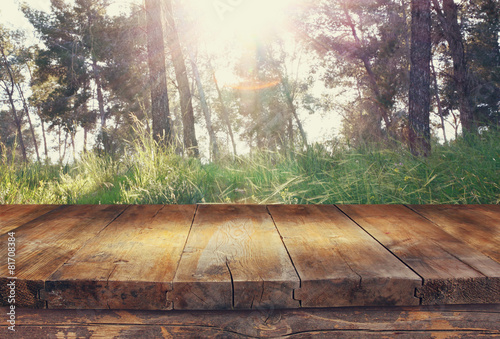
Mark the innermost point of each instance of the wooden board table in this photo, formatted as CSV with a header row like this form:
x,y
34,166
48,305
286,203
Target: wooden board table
x,y
251,271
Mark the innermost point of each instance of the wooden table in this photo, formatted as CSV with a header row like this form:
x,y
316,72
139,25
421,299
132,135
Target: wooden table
x,y
253,270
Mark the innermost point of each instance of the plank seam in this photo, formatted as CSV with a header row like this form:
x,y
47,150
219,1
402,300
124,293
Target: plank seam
x,y
171,307
452,236
289,256
56,207
466,264
78,250
416,292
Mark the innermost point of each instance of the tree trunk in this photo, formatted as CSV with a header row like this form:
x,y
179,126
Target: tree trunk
x,y
45,148
190,142
160,110
85,111
28,114
100,102
448,17
419,93
225,116
100,97
18,123
59,143
176,127
73,149
438,100
10,94
85,133
214,149
383,112
293,110
65,147
26,110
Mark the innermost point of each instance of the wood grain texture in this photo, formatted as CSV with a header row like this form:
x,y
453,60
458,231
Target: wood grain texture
x,y
469,321
188,332
453,271
477,225
129,265
338,263
234,258
46,243
13,216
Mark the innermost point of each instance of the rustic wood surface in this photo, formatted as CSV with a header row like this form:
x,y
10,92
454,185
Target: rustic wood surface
x,y
450,321
13,216
129,265
47,242
453,272
477,225
232,257
340,264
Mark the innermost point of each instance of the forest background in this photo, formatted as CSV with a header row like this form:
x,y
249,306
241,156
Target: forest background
x,y
210,101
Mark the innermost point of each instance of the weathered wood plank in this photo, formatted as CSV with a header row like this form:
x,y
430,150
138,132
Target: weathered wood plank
x,y
234,258
353,322
129,265
44,244
477,225
453,271
187,332
338,263
13,216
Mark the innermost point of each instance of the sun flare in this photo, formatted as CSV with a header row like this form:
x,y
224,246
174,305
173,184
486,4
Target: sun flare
x,y
242,17
231,28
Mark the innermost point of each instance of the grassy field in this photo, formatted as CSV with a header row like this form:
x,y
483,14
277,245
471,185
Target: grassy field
x,y
458,173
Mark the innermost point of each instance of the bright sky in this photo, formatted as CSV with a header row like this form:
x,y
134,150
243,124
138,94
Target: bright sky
x,y
11,16
241,16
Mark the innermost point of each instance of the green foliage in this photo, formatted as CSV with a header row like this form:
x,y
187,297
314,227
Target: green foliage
x,y
483,53
28,183
364,46
463,172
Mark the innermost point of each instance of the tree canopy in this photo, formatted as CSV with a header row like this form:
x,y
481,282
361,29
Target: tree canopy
x,y
216,80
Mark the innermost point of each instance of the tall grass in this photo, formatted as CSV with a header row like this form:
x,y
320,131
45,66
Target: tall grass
x,y
463,172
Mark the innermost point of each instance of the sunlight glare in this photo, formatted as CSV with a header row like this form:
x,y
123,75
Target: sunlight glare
x,y
243,17
226,78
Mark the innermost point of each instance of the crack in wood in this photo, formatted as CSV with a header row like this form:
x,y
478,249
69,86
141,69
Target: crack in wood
x,y
197,296
395,332
100,231
232,284
169,304
159,210
109,275
340,254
